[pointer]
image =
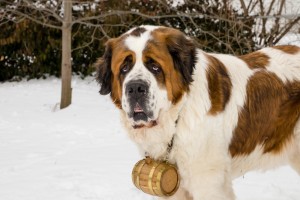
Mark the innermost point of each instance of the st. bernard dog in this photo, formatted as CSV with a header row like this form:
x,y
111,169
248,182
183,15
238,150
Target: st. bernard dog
x,y
223,115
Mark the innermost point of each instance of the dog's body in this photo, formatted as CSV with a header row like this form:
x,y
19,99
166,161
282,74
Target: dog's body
x,y
226,115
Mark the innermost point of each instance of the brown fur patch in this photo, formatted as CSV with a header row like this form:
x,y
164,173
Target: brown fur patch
x,y
269,115
172,78
219,85
256,60
138,31
151,62
119,54
175,76
290,49
159,54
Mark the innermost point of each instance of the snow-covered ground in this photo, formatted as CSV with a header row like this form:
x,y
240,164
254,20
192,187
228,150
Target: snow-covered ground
x,y
82,153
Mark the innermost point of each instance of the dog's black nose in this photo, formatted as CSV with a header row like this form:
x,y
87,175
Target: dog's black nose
x,y
136,89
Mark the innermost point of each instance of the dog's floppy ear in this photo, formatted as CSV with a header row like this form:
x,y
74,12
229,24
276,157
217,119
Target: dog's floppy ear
x,y
104,73
183,52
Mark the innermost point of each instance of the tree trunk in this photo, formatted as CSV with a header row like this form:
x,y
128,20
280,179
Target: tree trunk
x,y
66,64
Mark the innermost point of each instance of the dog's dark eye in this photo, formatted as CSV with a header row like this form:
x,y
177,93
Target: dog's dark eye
x,y
125,68
153,66
126,65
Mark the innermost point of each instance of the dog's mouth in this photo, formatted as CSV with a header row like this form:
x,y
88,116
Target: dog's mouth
x,y
139,113
141,118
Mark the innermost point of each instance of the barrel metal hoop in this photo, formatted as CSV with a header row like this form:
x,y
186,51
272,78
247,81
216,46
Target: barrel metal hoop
x,y
151,176
138,174
158,182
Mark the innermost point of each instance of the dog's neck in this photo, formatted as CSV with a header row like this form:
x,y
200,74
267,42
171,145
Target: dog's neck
x,y
155,140
168,148
160,139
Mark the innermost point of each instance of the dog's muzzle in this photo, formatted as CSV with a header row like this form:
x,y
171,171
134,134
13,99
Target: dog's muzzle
x,y
137,93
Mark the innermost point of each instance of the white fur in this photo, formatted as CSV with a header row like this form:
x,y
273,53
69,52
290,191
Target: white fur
x,y
239,74
285,66
201,140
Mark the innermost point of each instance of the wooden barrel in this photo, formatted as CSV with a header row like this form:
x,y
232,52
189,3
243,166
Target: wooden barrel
x,y
155,177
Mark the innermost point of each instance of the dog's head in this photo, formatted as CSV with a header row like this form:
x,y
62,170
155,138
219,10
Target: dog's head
x,y
146,71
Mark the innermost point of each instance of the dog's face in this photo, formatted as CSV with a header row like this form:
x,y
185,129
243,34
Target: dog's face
x,y
146,70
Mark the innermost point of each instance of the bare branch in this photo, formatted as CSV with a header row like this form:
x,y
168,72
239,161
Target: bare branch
x,y
244,7
286,29
22,15
270,7
44,10
88,44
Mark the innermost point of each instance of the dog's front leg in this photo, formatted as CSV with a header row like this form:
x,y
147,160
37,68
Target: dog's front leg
x,y
212,182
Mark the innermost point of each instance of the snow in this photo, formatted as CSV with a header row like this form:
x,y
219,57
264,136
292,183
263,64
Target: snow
x,y
82,152
291,39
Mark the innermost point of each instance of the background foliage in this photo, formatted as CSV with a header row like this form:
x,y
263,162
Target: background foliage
x,y
31,50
